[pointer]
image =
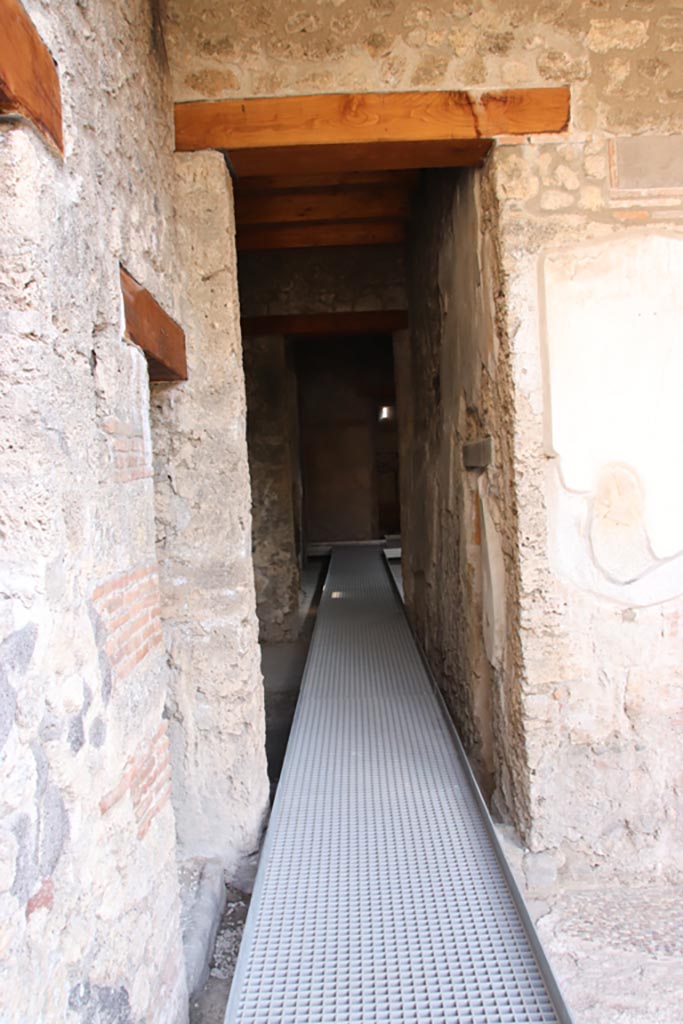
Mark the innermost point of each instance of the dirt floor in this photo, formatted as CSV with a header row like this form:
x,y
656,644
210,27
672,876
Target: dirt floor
x,y
209,1006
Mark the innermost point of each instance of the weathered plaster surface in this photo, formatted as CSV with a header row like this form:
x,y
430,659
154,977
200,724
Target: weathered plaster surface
x,y
602,689
612,330
622,60
89,915
272,434
215,703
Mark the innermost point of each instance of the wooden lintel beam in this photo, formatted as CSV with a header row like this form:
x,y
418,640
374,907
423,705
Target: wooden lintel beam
x,y
158,335
255,237
29,84
362,203
375,156
364,118
382,321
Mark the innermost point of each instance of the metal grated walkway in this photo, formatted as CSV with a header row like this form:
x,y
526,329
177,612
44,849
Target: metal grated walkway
x,y
381,897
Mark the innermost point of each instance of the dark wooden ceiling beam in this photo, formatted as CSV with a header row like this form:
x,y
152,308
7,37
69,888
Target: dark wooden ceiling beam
x,y
255,237
29,84
362,203
382,321
158,335
367,118
307,182
368,157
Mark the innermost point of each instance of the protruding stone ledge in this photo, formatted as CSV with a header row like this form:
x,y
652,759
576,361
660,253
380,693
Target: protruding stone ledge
x,y
477,454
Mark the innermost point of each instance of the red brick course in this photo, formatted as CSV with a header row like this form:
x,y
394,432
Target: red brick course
x,y
131,457
147,778
129,607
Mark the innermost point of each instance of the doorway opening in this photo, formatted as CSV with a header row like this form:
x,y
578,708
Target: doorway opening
x,y
349,438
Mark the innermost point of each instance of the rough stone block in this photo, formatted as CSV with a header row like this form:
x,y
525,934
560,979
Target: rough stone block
x,y
477,454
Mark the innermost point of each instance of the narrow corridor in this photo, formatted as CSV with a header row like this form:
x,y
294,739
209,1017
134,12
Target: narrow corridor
x,y
381,895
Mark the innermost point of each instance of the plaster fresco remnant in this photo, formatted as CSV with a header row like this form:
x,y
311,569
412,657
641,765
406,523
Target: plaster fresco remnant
x,y
612,321
600,572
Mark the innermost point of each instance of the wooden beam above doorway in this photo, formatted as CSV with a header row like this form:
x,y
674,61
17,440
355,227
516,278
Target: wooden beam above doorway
x,y
359,157
341,170
409,118
382,321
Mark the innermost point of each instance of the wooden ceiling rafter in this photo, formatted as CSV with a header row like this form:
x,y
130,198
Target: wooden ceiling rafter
x,y
361,202
343,179
355,157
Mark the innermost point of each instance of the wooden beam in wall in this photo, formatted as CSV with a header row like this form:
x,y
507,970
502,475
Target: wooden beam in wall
x,y
29,84
255,237
362,203
158,335
382,321
367,118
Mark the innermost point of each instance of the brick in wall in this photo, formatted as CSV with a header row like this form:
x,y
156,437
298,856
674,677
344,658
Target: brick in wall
x,y
131,456
128,605
146,779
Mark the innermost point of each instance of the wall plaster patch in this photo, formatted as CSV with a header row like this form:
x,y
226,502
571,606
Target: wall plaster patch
x,y
612,360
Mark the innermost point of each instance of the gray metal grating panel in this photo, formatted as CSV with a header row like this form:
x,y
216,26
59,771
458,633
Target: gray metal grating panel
x,y
380,896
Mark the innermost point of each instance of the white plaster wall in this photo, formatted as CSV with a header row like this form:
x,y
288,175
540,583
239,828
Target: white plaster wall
x,y
597,429
614,338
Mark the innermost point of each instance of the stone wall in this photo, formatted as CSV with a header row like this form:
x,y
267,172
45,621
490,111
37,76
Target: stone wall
x,y
331,280
203,500
88,891
458,525
274,467
590,579
622,60
94,720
